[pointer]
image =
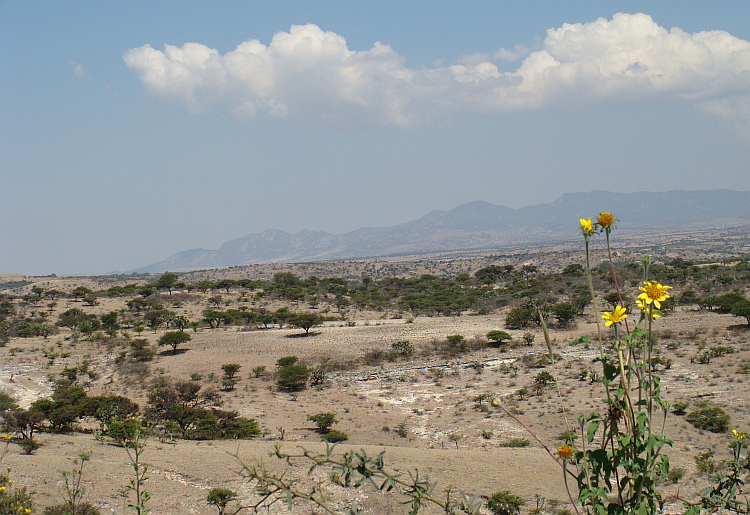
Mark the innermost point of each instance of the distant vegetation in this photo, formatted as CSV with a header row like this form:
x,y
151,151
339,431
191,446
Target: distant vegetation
x,y
560,297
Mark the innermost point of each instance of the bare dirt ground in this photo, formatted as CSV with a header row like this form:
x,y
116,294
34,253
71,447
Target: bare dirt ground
x,y
450,437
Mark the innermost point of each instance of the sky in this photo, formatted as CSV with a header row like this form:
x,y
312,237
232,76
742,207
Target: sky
x,y
133,130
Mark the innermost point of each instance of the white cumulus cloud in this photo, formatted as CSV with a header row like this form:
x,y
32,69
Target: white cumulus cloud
x,y
310,74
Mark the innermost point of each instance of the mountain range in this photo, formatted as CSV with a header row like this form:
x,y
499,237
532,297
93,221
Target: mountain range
x,y
472,226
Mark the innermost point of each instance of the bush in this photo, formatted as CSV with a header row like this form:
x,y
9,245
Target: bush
x,y
7,403
29,445
516,442
498,338
334,437
710,419
324,421
220,497
84,508
293,377
286,361
457,341
317,376
403,347
505,503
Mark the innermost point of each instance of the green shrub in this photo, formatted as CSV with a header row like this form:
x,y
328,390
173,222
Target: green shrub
x,y
317,376
220,497
403,347
334,437
505,503
516,442
84,508
286,361
705,463
293,377
710,419
324,421
497,338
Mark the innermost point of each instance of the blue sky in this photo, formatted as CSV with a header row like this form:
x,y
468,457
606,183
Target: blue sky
x,y
134,130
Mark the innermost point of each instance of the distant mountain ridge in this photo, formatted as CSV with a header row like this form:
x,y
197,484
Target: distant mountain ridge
x,y
474,225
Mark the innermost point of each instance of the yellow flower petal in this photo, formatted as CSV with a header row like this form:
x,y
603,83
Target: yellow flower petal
x,y
565,451
615,317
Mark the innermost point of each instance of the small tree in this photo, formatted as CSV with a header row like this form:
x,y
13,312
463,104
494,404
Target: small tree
x,y
293,377
565,313
167,281
230,371
305,321
324,421
498,337
173,339
505,503
742,309
220,497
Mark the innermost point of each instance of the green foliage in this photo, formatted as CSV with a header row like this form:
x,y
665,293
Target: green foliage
x,y
457,341
505,503
705,462
29,445
324,421
292,377
13,500
544,378
186,409
741,308
709,419
140,350
7,403
220,497
286,361
305,321
334,437
498,337
516,442
403,347
174,339
519,318
317,377
565,313
401,429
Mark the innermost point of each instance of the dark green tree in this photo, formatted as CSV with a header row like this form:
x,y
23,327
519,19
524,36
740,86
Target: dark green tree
x,y
174,339
166,281
305,321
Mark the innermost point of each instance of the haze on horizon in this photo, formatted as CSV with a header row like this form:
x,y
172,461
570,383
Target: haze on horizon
x,y
137,130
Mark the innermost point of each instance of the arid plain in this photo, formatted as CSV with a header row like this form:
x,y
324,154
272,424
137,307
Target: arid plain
x,y
427,411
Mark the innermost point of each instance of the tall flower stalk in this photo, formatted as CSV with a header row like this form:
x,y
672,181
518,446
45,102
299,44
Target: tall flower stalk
x,y
620,460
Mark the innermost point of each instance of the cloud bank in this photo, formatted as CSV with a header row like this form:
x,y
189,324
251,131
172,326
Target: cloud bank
x,y
312,75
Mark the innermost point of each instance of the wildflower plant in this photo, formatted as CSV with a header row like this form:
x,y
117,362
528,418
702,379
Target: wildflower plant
x,y
621,458
12,499
723,496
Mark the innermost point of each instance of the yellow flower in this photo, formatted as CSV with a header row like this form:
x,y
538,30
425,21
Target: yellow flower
x,y
643,307
606,220
7,437
565,451
2,488
739,436
653,292
617,316
586,226
27,510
